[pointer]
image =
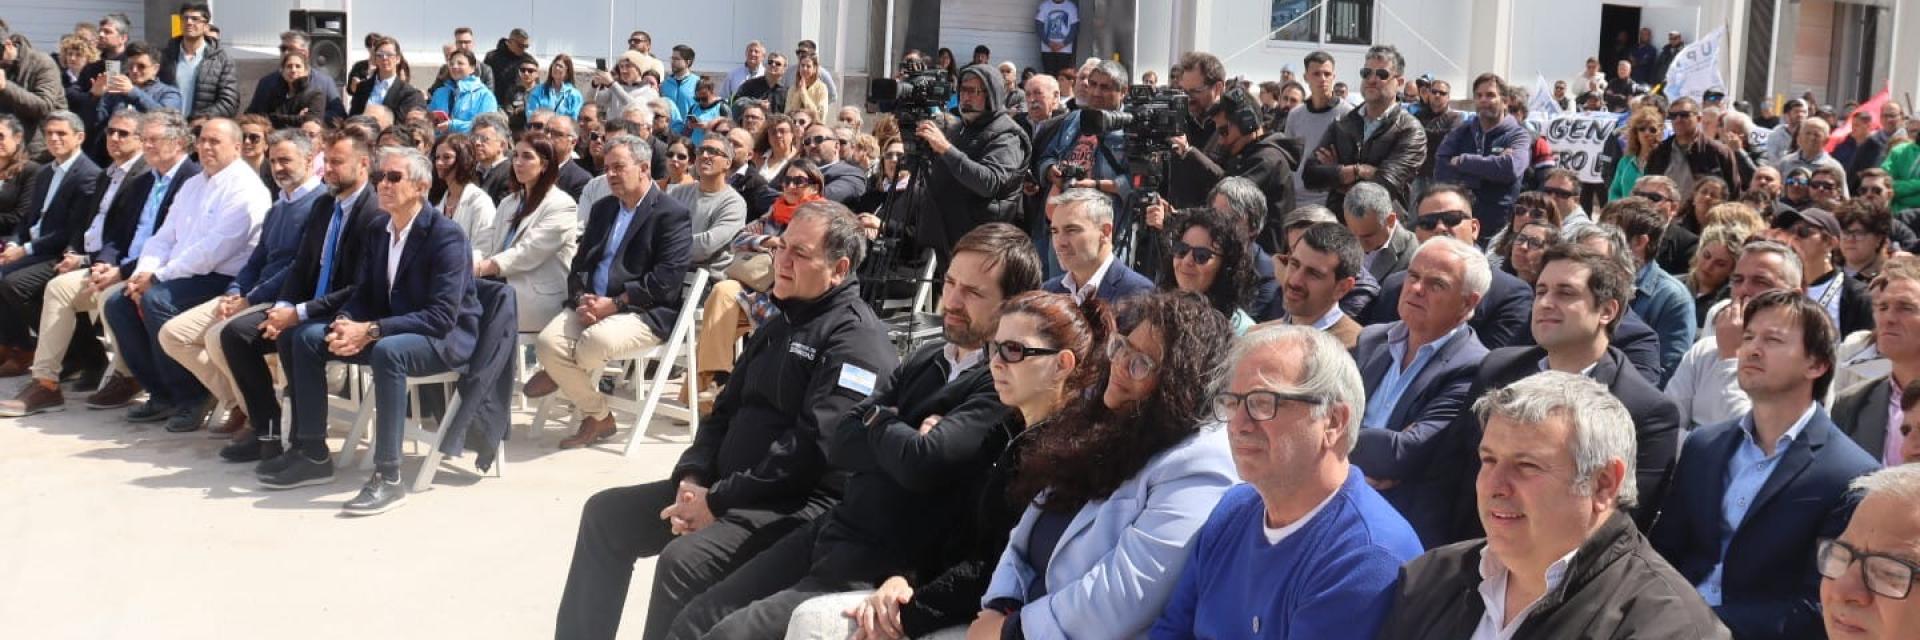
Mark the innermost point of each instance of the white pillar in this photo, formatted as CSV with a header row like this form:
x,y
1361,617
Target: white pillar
x,y
1492,47
1903,51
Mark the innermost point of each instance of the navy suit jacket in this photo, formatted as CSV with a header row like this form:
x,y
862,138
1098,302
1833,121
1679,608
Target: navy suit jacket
x,y
1636,340
653,261
123,218
303,276
432,294
1119,284
70,202
1410,450
1500,320
1266,288
1770,587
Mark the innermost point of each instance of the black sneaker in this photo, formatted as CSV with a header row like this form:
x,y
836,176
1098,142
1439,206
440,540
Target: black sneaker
x,y
378,496
190,418
150,411
251,450
295,469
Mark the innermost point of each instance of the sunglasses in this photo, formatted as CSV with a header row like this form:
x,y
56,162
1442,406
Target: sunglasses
x,y
1676,115
1559,192
1531,212
1199,255
529,70
1875,190
713,152
1375,74
1438,219
389,177
1652,196
1823,186
251,138
1012,352
1803,230
817,140
677,155
893,155
119,133
1796,182
790,182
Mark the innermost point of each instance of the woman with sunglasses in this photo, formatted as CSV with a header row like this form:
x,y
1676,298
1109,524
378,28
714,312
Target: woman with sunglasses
x,y
301,101
775,145
1046,353
1117,483
1708,192
679,164
1711,270
254,129
1528,207
1645,128
534,232
463,97
1209,257
557,92
464,201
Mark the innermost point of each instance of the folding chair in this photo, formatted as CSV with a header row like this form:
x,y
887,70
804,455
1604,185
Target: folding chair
x,y
421,428
647,399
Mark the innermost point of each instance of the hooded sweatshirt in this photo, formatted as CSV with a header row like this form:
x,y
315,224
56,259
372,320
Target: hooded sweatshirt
x,y
978,179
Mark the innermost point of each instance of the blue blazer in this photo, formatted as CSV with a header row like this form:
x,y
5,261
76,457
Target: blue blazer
x,y
1769,585
70,201
1501,319
653,260
1118,561
433,295
1119,284
1408,449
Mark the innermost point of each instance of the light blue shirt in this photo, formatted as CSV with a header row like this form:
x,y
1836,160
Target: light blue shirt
x,y
1401,374
601,273
185,71
346,204
150,214
1746,473
379,95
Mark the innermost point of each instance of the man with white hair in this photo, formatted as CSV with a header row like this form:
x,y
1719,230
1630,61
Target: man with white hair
x,y
1500,320
1704,384
1868,570
1418,371
1561,558
1305,546
752,67
492,144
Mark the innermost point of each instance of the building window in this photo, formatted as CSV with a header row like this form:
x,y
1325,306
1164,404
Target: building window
x,y
1331,22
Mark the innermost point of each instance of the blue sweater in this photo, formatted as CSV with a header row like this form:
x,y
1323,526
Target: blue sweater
x,y
267,267
1333,578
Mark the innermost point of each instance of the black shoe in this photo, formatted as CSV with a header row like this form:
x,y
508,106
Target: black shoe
x,y
87,380
295,469
251,450
191,418
150,411
378,496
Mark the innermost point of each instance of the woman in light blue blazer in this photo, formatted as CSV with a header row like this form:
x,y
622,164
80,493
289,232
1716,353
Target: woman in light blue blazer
x,y
1118,483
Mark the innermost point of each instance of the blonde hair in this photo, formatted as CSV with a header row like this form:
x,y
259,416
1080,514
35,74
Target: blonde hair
x,y
1643,116
1734,214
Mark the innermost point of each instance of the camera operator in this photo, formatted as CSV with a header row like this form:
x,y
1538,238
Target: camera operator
x,y
975,167
1242,148
1073,159
1204,78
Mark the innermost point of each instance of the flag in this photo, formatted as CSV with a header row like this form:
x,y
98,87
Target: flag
x,y
1697,68
1871,106
1541,109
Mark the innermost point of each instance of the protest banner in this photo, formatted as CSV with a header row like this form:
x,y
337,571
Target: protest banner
x,y
1577,139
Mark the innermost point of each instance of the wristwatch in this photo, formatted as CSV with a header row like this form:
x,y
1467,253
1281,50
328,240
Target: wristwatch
x,y
373,331
873,415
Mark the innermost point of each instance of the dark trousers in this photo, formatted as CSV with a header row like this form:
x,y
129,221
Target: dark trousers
x,y
21,286
621,525
756,600
246,352
137,334
1052,62
304,356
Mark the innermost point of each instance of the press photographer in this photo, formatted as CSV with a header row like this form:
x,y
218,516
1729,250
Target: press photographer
x,y
1245,150
967,171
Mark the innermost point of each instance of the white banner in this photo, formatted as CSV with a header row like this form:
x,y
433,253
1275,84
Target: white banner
x,y
1697,68
1577,139
1541,109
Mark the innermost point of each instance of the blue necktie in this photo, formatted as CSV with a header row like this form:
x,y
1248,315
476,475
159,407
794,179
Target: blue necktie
x,y
326,252
149,217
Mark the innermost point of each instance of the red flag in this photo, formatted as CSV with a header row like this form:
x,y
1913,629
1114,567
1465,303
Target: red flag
x,y
1871,106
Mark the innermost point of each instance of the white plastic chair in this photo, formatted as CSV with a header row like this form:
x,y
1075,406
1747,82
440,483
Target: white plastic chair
x,y
648,399
421,428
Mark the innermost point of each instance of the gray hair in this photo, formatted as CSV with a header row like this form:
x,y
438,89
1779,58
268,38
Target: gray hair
x,y
1095,204
174,125
419,169
641,151
500,128
1049,81
1308,214
1602,428
1390,55
845,238
296,137
1660,182
1900,482
1244,198
1114,70
1789,260
559,121
1368,200
1738,121
120,22
1617,249
286,36
72,119
645,112
1476,276
1326,371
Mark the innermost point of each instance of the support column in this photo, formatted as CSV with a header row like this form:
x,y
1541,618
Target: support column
x,y
1903,52
1492,48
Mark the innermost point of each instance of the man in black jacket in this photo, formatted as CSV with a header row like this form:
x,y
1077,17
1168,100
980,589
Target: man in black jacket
x,y
912,452
976,177
492,144
212,89
1561,558
1248,151
757,469
845,182
623,291
1377,141
62,194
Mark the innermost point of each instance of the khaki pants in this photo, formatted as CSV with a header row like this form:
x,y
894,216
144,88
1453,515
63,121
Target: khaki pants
x,y
721,324
67,297
573,354
193,340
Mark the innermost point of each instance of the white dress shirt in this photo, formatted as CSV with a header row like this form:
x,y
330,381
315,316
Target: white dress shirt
x,y
1083,290
53,187
1493,593
212,227
116,176
397,245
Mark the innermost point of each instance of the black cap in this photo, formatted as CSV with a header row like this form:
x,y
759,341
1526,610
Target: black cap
x,y
1815,216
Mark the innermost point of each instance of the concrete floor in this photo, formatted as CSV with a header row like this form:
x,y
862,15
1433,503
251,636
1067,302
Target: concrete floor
x,y
114,530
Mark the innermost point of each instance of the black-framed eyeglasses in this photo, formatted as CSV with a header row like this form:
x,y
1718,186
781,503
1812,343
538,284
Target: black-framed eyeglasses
x,y
389,177
1012,352
1438,219
1375,74
1559,192
1822,185
1260,405
715,152
1199,255
1653,196
1529,243
529,69
816,140
1882,574
1123,357
121,133
790,182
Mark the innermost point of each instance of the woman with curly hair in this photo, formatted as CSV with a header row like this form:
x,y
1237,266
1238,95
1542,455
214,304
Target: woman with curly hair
x,y
1208,255
1117,483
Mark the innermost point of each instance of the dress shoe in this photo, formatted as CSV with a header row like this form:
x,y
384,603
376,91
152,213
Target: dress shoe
x,y
86,380
251,450
236,421
39,396
378,495
190,418
151,411
539,386
19,362
591,431
119,392
295,469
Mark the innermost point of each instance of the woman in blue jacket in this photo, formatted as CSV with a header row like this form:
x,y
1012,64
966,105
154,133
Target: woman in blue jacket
x,y
558,92
1117,484
463,98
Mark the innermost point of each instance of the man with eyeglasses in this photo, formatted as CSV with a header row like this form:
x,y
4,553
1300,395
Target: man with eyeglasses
x,y
136,87
1489,154
1376,142
1560,559
1097,160
513,96
491,142
196,65
718,211
1673,250
1752,495
1562,187
1500,318
1814,234
1305,548
63,197
1867,591
768,87
845,182
1658,298
1688,155
977,167
565,133
511,54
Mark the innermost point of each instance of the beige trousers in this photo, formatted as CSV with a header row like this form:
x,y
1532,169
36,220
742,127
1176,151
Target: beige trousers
x,y
722,322
67,296
193,340
573,354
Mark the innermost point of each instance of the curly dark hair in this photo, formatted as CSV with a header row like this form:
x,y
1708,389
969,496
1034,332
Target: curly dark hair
x,y
1232,289
1089,449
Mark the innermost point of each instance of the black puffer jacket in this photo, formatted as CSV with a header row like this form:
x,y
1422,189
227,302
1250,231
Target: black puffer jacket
x,y
215,90
978,180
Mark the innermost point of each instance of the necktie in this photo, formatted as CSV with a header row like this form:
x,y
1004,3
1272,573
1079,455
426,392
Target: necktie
x,y
326,251
148,218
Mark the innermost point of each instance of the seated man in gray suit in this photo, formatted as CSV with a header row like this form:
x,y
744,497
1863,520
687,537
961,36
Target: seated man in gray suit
x,y
1388,245
1870,412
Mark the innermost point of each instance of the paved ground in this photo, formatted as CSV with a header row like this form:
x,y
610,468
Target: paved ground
x,y
111,530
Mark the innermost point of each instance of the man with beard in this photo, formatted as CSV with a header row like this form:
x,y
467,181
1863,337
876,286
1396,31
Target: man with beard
x,y
1437,118
977,168
1488,155
1376,142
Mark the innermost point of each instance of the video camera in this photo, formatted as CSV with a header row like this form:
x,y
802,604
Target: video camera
x,y
1151,118
919,96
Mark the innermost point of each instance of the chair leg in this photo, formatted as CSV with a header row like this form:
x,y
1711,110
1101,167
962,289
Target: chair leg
x,y
362,423
431,466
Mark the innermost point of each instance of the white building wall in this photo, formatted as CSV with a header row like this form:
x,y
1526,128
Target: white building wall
x,y
1241,26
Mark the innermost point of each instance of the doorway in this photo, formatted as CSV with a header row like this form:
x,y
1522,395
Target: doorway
x,y
1614,21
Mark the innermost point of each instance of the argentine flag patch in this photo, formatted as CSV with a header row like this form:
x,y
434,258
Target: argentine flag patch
x,y
857,380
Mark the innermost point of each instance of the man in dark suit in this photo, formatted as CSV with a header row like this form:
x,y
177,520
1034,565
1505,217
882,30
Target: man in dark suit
x,y
333,242
623,291
400,97
1870,412
1753,495
1417,373
845,182
1584,299
1082,241
492,145
420,318
1447,210
573,177
62,193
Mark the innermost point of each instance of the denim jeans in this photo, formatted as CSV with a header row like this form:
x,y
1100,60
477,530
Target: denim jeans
x,y
136,332
304,354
